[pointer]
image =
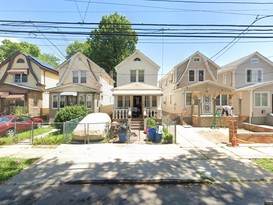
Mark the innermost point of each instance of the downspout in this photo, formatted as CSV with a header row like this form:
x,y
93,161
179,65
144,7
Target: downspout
x,y
251,106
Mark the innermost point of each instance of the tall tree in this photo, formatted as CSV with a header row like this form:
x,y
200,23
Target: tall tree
x,y
112,42
50,59
76,46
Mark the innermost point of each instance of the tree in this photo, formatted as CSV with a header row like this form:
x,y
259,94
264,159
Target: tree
x,y
76,46
112,42
8,48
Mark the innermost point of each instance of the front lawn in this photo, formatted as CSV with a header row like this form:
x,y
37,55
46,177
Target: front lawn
x,y
265,163
12,166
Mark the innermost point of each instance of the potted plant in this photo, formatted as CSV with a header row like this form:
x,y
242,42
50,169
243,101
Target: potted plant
x,y
151,126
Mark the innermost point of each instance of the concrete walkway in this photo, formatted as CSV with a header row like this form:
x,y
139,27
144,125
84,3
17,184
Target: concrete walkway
x,y
193,159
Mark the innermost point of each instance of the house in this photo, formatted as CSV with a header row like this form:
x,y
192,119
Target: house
x,y
251,76
82,82
137,94
191,92
23,81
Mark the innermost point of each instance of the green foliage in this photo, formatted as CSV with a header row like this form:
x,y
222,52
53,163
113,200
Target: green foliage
x,y
50,59
12,166
168,138
19,110
112,42
77,46
265,163
51,139
165,130
151,123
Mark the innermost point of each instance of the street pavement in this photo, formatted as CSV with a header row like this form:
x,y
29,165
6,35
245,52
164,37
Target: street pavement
x,y
193,159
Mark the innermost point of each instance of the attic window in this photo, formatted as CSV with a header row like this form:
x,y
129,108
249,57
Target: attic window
x,y
137,59
20,60
196,59
254,60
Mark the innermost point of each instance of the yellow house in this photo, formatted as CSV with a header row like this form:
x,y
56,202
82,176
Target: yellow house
x,y
82,82
23,80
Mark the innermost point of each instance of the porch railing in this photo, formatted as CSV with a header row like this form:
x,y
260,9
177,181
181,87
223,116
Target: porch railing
x,y
120,113
124,113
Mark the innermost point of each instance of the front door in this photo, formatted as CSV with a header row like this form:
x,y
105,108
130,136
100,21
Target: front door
x,y
206,105
137,108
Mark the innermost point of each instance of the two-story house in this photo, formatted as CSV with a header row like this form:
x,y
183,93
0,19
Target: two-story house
x,y
251,76
137,94
82,82
191,91
23,80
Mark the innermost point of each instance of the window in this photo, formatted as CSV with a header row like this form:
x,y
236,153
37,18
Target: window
x,y
147,101
62,101
201,75
137,59
20,60
191,76
133,75
82,99
71,100
89,101
154,101
196,59
261,99
83,76
254,75
222,100
75,77
120,104
254,60
20,78
35,100
141,76
54,101
127,101
188,99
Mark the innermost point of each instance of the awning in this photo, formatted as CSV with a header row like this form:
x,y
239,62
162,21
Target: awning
x,y
3,94
21,71
15,97
69,93
137,92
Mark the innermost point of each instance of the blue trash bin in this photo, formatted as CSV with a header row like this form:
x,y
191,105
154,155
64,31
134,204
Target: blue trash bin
x,y
151,134
122,137
158,138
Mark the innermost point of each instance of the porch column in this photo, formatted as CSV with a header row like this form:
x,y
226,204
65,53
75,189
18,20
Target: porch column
x,y
240,105
213,105
199,111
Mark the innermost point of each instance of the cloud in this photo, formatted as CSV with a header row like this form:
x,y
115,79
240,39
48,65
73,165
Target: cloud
x,y
15,40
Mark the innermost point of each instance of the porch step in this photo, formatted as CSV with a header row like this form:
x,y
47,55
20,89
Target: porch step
x,y
137,124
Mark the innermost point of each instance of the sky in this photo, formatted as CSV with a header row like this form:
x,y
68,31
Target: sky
x,y
164,51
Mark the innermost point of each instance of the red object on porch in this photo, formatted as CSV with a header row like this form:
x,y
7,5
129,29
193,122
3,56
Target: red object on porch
x,y
13,97
145,131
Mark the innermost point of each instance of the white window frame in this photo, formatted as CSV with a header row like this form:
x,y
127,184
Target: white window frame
x,y
268,99
138,75
193,76
199,75
21,78
133,81
186,104
256,70
52,101
89,98
221,100
83,75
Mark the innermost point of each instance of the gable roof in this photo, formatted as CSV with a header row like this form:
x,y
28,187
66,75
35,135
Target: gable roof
x,y
254,86
137,52
208,83
233,65
205,59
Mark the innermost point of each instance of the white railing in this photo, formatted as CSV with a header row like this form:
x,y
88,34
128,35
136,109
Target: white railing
x,y
152,112
121,113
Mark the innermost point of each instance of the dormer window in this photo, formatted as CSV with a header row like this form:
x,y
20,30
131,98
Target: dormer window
x,y
20,60
20,78
137,59
79,76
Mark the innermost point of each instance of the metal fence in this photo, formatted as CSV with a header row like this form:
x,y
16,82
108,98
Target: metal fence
x,y
170,125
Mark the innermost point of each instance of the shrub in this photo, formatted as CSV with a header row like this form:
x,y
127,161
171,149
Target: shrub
x,y
168,138
151,123
68,113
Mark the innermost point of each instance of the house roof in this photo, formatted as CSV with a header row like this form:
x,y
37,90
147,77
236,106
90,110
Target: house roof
x,y
132,56
233,65
23,86
205,59
137,89
74,87
254,86
208,84
43,64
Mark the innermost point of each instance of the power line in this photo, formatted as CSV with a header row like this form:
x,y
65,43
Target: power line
x,y
215,2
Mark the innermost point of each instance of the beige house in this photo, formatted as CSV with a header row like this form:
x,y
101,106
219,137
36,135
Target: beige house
x,y
191,91
82,82
251,76
23,81
137,94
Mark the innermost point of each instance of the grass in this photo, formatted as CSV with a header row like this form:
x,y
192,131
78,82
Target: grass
x,y
52,139
24,135
12,166
265,163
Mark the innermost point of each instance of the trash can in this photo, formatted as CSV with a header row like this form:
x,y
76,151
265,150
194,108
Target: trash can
x,y
151,134
123,133
158,135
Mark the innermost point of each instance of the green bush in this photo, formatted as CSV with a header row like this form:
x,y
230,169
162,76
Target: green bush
x,y
168,138
151,123
68,113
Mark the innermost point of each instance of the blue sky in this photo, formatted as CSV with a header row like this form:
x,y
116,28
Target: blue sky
x,y
165,52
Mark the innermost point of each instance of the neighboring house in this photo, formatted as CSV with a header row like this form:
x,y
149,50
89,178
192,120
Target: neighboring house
x,y
137,94
23,80
251,76
82,82
191,91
